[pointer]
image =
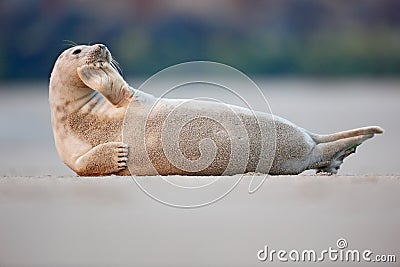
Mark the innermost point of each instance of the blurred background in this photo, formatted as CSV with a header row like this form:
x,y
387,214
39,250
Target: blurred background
x,y
326,65
275,37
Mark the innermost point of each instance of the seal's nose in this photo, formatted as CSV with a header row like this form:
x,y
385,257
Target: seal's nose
x,y
102,52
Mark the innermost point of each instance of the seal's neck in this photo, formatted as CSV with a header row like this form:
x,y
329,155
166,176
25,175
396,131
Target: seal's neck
x,y
64,89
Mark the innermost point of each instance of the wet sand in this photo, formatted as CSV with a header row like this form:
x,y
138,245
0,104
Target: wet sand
x,y
51,217
53,221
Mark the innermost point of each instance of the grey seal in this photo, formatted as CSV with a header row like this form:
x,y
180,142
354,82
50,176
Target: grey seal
x,y
89,100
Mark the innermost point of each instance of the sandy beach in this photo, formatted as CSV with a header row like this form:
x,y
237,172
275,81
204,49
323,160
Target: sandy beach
x,y
51,217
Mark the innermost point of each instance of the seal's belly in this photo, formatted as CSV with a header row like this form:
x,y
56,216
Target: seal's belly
x,y
92,129
198,138
190,145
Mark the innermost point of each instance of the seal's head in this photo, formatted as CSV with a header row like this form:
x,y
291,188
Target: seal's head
x,y
81,69
65,68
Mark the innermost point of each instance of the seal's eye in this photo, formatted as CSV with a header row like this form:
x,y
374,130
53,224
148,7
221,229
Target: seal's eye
x,y
77,51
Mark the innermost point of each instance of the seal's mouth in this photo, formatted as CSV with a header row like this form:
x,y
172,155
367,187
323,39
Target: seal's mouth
x,y
101,54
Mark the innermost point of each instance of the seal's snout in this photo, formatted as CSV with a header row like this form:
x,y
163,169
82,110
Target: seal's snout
x,y
99,53
104,53
103,49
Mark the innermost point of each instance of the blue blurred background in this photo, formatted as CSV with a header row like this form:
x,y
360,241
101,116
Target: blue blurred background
x,y
278,37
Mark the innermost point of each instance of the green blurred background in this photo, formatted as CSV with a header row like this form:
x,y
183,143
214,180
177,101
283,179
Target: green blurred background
x,y
279,37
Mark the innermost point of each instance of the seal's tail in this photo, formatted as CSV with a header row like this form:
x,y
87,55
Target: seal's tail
x,y
332,149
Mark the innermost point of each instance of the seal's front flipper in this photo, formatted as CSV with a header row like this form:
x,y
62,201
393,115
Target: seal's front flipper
x,y
327,157
103,78
104,159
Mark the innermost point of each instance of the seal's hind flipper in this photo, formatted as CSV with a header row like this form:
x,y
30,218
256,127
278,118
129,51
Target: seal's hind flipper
x,y
351,150
318,138
328,157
